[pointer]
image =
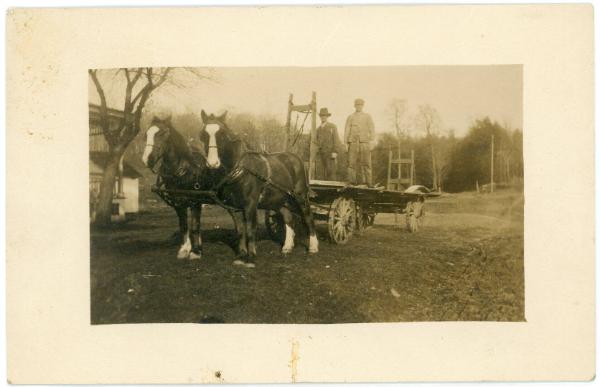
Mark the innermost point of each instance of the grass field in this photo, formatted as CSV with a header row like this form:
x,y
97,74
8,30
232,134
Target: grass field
x,y
466,263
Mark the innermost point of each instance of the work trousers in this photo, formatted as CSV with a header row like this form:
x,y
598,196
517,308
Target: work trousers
x,y
325,168
359,163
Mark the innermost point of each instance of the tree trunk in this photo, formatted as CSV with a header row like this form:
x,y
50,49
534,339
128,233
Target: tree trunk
x,y
104,206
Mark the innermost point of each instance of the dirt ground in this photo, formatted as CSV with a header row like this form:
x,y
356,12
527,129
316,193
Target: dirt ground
x,y
466,263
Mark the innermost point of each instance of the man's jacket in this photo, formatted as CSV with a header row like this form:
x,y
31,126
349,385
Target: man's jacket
x,y
327,138
359,128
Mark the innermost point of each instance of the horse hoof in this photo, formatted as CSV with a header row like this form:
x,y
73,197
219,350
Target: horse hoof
x,y
183,255
286,250
194,256
313,245
239,262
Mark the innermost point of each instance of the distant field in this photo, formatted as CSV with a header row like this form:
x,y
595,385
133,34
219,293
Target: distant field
x,y
466,263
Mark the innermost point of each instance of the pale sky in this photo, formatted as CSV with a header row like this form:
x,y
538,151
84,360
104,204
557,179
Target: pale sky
x,y
461,94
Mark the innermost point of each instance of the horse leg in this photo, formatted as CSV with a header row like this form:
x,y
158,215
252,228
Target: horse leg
x,y
250,226
186,246
239,220
313,242
195,236
288,218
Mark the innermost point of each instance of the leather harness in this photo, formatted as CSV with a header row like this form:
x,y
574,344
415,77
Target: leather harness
x,y
212,194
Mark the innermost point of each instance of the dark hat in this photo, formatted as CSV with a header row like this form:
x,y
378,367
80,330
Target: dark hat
x,y
359,101
324,112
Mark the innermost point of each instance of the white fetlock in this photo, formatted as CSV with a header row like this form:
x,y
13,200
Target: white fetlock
x,y
194,255
288,246
185,249
183,254
313,244
239,262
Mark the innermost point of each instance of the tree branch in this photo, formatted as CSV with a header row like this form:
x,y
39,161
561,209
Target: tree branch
x,y
137,76
148,86
163,77
132,127
104,122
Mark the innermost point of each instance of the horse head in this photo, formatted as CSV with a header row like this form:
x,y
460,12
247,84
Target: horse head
x,y
157,137
163,143
220,142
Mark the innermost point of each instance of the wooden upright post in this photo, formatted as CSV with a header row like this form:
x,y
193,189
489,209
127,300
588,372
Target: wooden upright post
x,y
313,136
399,154
492,171
389,174
412,167
288,123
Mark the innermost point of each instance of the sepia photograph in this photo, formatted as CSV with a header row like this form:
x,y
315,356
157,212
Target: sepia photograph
x,y
306,195
300,194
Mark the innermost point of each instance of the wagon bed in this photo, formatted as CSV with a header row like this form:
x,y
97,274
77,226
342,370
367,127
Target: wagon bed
x,y
349,208
377,199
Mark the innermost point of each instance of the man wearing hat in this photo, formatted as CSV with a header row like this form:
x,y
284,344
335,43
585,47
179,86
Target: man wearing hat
x,y
358,135
327,139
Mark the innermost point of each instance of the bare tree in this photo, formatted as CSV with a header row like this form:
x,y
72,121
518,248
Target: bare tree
x,y
139,84
428,120
398,109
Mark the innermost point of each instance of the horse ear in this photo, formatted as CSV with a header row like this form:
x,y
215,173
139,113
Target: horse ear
x,y
203,116
223,116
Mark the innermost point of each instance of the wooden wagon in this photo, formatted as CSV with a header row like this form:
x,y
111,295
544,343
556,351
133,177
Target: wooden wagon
x,y
348,209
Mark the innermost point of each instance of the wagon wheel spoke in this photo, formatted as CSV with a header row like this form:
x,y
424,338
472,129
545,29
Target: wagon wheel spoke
x,y
339,228
341,219
340,233
343,233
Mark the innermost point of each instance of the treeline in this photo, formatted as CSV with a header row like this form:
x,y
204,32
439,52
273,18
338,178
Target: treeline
x,y
442,161
462,163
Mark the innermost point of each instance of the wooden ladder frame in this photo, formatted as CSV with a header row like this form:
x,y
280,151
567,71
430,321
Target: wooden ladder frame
x,y
310,108
395,184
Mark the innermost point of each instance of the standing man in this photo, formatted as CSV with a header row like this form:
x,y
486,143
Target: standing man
x,y
327,139
358,135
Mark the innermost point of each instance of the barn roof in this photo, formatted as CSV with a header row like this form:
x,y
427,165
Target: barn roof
x,y
98,160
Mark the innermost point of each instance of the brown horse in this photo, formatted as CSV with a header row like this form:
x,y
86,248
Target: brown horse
x,y
243,180
249,181
168,155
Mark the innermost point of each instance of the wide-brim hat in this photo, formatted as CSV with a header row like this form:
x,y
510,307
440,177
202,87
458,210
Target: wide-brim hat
x,y
324,112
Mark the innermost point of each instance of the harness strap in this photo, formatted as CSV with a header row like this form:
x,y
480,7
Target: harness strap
x,y
235,174
264,159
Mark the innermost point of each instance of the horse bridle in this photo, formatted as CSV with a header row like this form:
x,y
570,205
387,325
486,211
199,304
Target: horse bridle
x,y
157,160
233,175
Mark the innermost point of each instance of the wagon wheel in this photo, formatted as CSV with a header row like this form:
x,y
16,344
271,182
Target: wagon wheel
x,y
360,218
414,214
275,225
342,220
364,219
370,218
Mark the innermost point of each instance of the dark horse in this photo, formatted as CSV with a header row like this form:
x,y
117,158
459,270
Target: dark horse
x,y
242,180
178,168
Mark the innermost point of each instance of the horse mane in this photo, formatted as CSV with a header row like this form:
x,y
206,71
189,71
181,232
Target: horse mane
x,y
180,144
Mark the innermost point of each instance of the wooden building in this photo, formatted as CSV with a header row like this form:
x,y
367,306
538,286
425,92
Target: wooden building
x,y
127,185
